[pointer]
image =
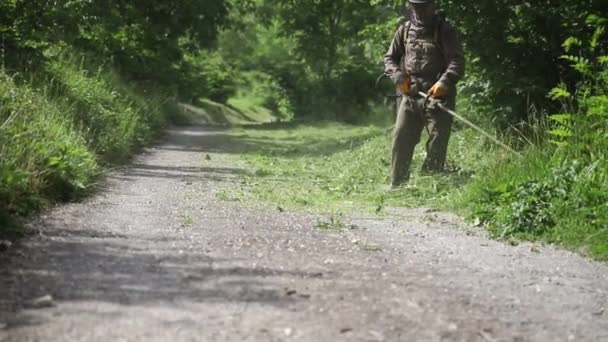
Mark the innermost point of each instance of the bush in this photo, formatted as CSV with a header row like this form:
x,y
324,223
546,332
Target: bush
x,y
267,93
559,191
206,74
563,201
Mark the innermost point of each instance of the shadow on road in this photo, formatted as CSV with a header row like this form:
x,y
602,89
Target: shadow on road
x,y
220,140
96,261
186,173
92,266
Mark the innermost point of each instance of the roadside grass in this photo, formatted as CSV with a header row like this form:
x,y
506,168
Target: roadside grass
x,y
42,154
342,168
60,126
114,118
543,196
254,111
237,111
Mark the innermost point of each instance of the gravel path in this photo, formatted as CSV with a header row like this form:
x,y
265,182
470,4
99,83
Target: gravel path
x,y
157,256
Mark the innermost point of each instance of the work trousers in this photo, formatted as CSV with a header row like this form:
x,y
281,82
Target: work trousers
x,y
413,116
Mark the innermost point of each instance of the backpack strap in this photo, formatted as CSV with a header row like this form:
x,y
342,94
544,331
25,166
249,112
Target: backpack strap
x,y
408,25
437,34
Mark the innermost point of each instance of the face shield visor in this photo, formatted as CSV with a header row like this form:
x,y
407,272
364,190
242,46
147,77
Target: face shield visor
x,y
423,12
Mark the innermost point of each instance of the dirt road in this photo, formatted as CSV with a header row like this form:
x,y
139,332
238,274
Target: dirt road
x,y
156,256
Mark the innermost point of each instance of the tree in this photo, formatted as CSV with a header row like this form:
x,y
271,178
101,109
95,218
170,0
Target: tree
x,y
146,39
515,48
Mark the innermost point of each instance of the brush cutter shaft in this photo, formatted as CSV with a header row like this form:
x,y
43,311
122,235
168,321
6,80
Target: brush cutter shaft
x,y
472,125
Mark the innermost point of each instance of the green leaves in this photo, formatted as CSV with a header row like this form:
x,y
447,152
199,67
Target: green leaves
x,y
580,64
559,194
145,39
572,42
559,93
562,130
527,208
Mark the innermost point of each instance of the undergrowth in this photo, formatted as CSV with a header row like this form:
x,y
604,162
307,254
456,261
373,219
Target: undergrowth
x,y
59,126
558,192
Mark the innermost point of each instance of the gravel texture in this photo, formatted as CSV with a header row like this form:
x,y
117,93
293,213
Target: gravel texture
x,y
157,256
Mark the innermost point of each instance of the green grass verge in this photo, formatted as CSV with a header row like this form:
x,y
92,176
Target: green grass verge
x,y
259,99
545,196
343,168
60,126
330,167
236,112
252,110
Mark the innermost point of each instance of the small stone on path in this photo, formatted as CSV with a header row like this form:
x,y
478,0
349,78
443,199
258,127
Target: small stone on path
x,y
42,302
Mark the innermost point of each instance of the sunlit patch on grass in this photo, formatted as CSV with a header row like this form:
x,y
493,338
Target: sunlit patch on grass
x,y
331,166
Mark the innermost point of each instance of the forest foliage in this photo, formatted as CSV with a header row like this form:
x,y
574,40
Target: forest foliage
x,y
74,73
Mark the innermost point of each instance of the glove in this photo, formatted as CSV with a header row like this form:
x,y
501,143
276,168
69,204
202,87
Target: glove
x,y
438,90
406,86
403,81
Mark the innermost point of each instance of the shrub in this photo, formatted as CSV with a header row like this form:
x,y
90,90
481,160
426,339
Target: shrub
x,y
559,191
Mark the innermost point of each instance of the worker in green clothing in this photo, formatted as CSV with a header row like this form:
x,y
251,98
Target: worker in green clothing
x,y
425,56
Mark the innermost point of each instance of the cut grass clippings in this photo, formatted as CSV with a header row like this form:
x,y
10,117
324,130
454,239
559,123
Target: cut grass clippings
x,y
333,167
340,167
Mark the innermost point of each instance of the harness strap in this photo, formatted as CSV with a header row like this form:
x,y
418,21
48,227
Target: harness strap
x,y
436,34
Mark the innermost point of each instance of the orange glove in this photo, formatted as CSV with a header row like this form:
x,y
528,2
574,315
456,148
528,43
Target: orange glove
x,y
406,85
439,90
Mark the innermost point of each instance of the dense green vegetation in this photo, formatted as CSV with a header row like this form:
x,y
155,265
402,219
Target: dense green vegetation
x,y
53,139
85,83
558,191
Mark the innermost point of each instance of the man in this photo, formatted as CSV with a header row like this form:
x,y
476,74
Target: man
x,y
425,56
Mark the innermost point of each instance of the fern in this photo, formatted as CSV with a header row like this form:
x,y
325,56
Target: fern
x,y
561,132
580,64
597,36
571,42
559,143
559,93
595,20
564,119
